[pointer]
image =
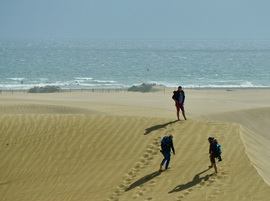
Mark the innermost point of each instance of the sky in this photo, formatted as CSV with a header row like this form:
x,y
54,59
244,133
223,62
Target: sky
x,y
135,19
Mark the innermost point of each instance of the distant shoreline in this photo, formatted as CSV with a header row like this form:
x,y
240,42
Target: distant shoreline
x,y
157,89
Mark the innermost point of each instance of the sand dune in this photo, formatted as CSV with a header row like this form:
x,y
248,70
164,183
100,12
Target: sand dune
x,y
84,149
255,128
43,109
82,157
67,157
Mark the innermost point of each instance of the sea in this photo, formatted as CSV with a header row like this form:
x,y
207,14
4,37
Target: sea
x,y
95,64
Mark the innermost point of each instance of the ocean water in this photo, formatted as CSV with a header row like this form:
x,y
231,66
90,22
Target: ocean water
x,y
119,64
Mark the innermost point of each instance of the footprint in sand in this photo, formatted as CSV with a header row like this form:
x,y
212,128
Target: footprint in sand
x,y
190,190
211,180
151,146
126,183
130,176
209,184
216,192
186,192
142,160
149,198
149,155
155,152
137,166
117,192
152,183
135,196
121,189
220,177
139,192
180,196
122,186
146,155
170,130
132,172
211,197
112,198
127,180
152,149
201,184
149,151
224,175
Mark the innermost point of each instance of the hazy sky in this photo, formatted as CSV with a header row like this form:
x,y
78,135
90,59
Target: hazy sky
x,y
138,19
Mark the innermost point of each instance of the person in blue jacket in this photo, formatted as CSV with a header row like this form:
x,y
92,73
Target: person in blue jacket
x,y
166,147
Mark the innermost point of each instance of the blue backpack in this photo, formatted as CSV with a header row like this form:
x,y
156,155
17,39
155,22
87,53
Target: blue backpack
x,y
217,150
165,143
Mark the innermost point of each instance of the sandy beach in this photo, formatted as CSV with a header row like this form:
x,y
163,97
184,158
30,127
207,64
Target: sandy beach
x,y
99,146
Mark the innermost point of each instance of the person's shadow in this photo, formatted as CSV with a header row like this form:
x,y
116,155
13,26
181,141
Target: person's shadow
x,y
196,180
159,126
143,180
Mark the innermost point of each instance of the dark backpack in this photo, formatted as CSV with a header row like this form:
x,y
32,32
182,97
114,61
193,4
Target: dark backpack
x,y
217,148
166,143
174,97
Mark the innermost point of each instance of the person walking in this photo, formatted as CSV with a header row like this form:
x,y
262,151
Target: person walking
x,y
179,99
214,152
166,147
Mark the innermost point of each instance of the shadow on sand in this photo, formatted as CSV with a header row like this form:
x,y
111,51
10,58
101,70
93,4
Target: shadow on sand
x,y
196,180
143,180
159,126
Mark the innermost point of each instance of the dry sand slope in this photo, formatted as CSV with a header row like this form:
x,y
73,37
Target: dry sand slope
x,y
76,155
255,132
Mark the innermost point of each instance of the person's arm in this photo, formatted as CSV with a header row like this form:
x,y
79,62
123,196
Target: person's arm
x,y
172,147
183,97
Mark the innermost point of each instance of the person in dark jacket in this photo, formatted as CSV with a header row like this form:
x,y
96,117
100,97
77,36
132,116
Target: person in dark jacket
x,y
179,99
213,152
166,147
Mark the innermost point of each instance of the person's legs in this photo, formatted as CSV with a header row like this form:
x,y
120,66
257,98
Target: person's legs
x,y
162,162
177,110
210,166
168,158
215,167
213,162
183,111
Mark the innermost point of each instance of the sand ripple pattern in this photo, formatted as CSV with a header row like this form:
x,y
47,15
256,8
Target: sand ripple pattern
x,y
67,157
89,157
189,177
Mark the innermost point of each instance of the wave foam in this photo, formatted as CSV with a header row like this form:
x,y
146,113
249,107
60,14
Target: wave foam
x,y
90,83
